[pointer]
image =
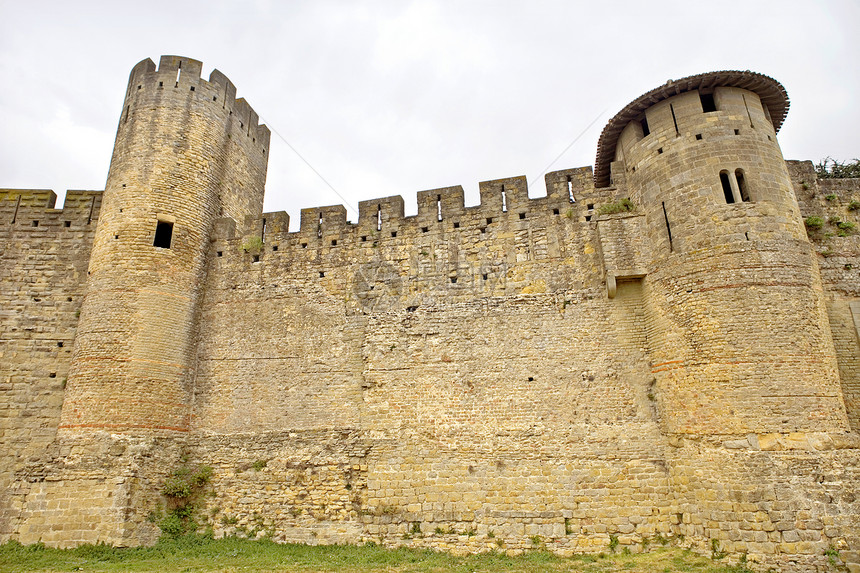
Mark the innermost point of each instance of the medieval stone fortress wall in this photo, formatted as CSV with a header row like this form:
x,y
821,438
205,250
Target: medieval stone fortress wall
x,y
659,348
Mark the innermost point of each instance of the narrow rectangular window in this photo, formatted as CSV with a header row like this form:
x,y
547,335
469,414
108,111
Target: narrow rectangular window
x,y
504,200
570,196
708,103
742,185
438,207
727,187
163,234
18,204
747,107
644,123
319,227
674,120
92,210
379,217
668,228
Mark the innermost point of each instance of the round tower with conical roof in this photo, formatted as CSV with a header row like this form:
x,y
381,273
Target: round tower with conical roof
x,y
187,152
739,337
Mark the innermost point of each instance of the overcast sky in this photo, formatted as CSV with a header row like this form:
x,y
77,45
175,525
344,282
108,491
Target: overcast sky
x,y
390,98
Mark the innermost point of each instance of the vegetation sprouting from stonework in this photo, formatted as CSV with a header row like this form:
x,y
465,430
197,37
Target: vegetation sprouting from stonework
x,y
621,206
829,168
813,222
252,245
259,465
842,228
182,491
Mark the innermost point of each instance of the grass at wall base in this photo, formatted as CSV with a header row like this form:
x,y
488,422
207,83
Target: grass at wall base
x,y
196,553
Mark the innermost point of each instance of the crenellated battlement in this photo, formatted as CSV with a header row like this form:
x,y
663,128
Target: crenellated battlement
x,y
181,73
509,245
570,193
34,208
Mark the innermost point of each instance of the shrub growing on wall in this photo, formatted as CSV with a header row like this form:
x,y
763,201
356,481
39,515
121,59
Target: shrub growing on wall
x,y
829,168
182,491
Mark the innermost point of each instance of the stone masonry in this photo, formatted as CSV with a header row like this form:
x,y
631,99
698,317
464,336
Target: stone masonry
x,y
660,349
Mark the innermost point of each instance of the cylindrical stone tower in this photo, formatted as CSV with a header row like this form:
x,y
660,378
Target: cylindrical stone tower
x,y
186,153
739,336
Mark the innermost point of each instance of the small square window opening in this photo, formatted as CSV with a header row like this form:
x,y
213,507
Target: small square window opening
x,y
163,235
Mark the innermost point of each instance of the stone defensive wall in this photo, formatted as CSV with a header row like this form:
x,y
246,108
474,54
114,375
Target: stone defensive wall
x,y
373,410
458,379
836,202
44,254
446,250
663,349
398,330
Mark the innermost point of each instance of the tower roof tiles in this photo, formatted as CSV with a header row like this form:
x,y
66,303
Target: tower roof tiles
x,y
772,94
